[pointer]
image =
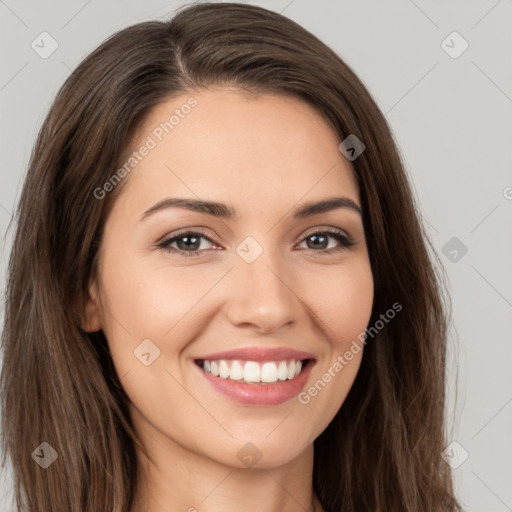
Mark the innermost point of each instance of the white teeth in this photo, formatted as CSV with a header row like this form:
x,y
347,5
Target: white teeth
x,y
237,371
269,372
282,371
223,369
291,370
252,371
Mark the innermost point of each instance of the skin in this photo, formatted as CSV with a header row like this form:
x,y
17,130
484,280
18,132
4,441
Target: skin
x,y
264,155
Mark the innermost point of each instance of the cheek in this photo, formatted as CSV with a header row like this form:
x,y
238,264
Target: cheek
x,y
342,300
356,297
343,307
151,301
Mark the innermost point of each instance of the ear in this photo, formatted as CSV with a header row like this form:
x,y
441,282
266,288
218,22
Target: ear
x,y
92,320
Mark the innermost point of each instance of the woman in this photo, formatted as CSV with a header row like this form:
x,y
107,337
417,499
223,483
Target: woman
x,y
220,295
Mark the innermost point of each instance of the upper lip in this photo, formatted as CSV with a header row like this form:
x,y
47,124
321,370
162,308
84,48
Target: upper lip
x,y
259,354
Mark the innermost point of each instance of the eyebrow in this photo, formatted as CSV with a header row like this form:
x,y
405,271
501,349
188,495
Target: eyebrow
x,y
224,211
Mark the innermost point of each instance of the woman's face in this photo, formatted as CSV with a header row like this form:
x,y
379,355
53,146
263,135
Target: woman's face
x,y
267,281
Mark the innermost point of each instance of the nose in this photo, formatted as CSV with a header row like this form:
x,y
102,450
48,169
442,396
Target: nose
x,y
262,296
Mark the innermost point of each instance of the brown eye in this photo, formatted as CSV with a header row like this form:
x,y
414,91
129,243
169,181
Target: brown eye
x,y
319,241
188,243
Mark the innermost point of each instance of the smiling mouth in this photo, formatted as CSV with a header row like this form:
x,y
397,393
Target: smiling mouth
x,y
254,372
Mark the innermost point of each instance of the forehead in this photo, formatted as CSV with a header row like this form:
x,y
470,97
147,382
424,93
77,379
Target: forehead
x,y
234,143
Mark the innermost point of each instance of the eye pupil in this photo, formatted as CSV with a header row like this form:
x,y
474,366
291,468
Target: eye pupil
x,y
316,238
191,242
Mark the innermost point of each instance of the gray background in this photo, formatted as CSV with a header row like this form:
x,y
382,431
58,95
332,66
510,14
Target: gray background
x,y
452,120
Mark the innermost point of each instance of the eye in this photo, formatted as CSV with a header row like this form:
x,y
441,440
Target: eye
x,y
188,243
319,239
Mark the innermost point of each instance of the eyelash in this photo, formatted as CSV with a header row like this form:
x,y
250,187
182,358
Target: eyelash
x,y
345,241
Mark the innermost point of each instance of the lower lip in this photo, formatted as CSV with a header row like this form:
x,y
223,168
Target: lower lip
x,y
260,393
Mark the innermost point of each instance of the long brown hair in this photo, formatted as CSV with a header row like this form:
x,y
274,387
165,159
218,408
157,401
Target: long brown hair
x,y
382,451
